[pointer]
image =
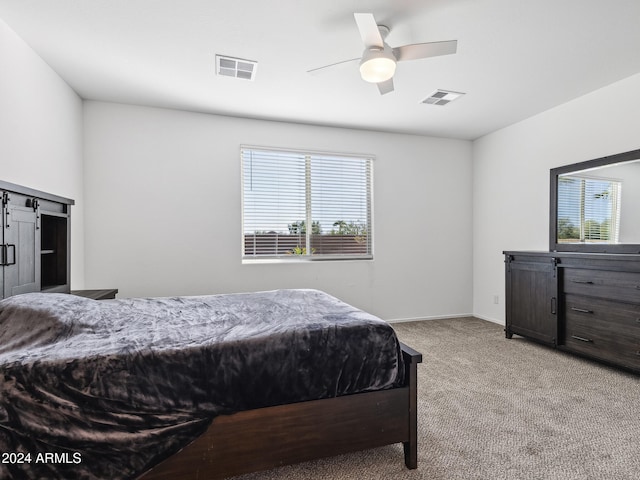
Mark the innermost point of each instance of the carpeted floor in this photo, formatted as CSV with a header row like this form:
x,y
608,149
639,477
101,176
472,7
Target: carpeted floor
x,y
491,408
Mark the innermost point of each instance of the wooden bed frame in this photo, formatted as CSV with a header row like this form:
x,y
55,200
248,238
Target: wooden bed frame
x,y
266,438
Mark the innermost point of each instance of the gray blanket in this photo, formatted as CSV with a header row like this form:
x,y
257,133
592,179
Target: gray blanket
x,y
94,389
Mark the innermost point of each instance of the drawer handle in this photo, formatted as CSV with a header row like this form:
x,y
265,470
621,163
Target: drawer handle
x,y
582,339
581,310
586,282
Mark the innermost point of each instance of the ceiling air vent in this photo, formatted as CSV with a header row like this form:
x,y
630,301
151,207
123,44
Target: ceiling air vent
x,y
236,67
442,97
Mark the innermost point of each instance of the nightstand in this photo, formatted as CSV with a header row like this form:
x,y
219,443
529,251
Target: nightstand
x,y
106,294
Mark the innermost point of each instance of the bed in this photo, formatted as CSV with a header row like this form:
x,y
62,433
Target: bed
x,y
196,387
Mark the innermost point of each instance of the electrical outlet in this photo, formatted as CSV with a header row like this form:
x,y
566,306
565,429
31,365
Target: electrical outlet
x,y
496,299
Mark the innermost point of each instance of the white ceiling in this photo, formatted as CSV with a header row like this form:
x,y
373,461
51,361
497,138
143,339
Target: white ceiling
x,y
515,58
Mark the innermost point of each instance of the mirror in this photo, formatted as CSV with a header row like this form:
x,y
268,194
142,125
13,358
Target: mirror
x,y
595,205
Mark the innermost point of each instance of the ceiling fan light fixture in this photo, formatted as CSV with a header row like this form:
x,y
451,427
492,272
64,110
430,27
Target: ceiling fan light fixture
x,y
377,65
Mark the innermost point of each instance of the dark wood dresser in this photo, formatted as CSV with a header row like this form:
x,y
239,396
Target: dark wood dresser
x,y
584,303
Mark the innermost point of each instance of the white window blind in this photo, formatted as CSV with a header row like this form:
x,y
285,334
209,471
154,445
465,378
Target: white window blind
x,y
285,192
588,209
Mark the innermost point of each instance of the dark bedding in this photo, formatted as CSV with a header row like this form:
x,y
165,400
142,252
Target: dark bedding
x,y
93,389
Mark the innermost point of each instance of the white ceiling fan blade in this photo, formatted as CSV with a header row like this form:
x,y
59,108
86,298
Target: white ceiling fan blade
x,y
315,71
386,86
425,50
369,30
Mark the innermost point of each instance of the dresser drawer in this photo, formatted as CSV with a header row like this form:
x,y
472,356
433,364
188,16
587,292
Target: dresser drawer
x,y
603,329
620,318
622,286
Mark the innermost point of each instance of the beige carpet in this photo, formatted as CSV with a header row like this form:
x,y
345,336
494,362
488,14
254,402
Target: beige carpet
x,y
492,408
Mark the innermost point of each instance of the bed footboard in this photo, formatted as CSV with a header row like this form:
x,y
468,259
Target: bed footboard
x,y
411,360
270,437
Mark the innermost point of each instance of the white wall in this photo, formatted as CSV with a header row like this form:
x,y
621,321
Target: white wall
x,y
511,177
629,173
163,212
41,133
162,188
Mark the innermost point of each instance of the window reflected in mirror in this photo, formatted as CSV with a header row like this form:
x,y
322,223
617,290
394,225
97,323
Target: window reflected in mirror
x,y
599,205
588,209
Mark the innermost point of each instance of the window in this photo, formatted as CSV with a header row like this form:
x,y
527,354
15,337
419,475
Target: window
x,y
302,205
588,209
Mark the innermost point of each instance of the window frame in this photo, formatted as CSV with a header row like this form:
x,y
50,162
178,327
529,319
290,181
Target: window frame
x,y
309,256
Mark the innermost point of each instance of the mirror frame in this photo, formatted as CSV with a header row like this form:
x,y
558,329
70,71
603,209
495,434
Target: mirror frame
x,y
554,246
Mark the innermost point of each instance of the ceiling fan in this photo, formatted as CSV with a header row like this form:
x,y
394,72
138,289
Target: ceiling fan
x,y
378,61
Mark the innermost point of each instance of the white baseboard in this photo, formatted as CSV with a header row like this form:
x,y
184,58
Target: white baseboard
x,y
437,317
444,317
489,319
